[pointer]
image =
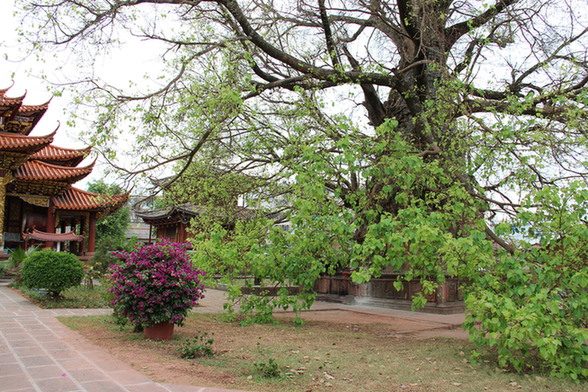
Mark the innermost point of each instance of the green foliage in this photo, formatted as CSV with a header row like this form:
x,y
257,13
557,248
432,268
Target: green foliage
x,y
53,271
14,263
17,257
3,268
267,252
112,226
530,306
103,257
205,184
199,346
110,230
268,369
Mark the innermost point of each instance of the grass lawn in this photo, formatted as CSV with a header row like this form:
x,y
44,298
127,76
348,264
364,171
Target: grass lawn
x,y
79,297
319,356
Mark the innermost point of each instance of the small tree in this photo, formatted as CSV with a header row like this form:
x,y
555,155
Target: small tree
x,y
54,271
110,229
113,225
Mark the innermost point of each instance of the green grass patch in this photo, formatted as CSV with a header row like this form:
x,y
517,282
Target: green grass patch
x,y
79,297
319,356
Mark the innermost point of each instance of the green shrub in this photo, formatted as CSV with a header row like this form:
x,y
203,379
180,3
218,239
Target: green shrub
x,y
53,271
103,257
199,346
3,268
530,307
14,262
268,369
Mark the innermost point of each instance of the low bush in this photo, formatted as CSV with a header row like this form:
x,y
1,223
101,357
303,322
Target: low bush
x,y
53,271
268,369
199,346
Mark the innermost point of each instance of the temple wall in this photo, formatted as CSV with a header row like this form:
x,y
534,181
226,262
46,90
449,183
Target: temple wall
x,y
381,292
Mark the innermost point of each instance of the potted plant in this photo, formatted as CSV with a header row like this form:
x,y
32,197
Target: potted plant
x,y
155,287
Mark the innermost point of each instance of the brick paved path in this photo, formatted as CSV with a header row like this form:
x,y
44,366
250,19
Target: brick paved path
x,y
39,354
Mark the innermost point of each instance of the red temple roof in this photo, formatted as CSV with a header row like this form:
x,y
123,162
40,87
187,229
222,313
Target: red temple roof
x,y
4,100
77,199
4,90
38,170
32,109
52,237
17,117
17,142
53,153
41,175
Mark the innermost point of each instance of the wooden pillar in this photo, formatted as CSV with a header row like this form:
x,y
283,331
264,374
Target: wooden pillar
x,y
92,233
180,232
72,227
62,246
5,179
50,222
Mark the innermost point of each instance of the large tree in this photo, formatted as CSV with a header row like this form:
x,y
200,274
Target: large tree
x,y
493,93
391,132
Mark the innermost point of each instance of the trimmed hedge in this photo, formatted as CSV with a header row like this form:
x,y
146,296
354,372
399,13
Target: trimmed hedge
x,y
53,271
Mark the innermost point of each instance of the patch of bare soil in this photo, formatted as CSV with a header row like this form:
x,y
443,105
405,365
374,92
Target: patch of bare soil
x,y
385,326
158,360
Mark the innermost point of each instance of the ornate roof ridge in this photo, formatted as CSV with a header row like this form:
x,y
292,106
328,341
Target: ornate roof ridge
x,y
78,199
33,108
57,153
10,140
39,170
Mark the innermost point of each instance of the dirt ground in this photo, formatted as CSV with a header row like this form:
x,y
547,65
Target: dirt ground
x,y
156,361
389,326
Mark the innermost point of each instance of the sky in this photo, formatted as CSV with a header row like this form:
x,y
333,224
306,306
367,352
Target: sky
x,y
24,73
24,78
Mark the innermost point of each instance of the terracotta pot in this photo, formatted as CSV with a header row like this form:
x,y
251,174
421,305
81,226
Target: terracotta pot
x,y
161,331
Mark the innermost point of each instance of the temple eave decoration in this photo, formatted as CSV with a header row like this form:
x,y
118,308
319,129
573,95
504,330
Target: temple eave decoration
x,y
19,118
39,235
48,188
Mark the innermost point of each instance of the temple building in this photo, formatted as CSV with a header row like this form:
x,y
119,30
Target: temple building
x,y
38,204
173,223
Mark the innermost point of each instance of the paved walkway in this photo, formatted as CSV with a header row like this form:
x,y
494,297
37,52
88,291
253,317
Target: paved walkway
x,y
38,353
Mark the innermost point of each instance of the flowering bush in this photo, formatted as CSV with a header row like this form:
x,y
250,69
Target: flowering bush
x,y
155,283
